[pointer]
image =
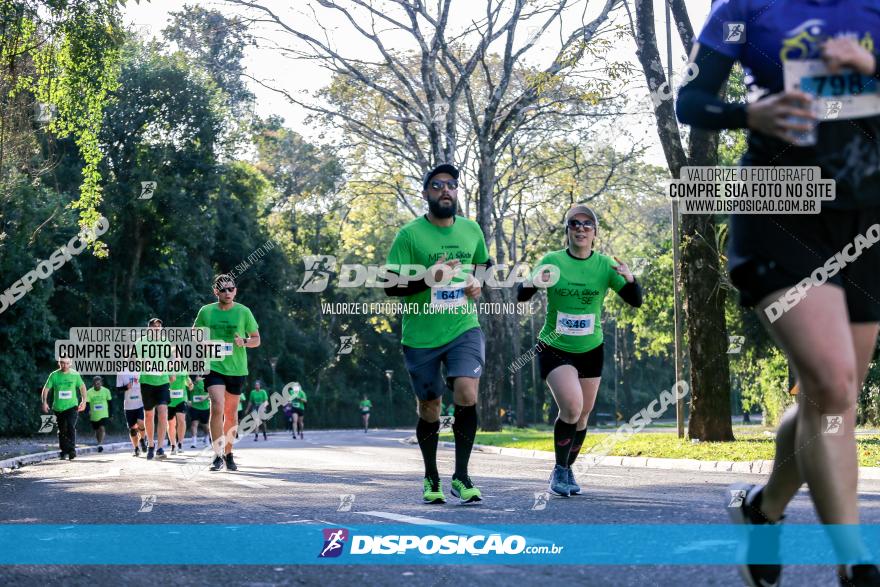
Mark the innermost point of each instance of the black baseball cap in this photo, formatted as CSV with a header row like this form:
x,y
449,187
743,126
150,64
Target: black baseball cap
x,y
442,168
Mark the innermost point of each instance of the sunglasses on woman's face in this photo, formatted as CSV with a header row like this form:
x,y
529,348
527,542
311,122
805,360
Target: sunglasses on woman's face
x,y
226,290
575,224
437,184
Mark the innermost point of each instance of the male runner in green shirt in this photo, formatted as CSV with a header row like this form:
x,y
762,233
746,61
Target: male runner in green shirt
x,y
64,383
177,411
156,396
230,322
199,409
258,401
365,406
298,400
98,398
446,329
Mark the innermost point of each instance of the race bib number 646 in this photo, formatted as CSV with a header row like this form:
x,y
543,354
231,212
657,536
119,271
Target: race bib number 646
x,y
575,324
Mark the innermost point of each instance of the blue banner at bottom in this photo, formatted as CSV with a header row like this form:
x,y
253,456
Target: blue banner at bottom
x,y
383,544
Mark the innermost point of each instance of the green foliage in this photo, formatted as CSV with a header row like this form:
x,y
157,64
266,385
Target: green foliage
x,y
764,383
868,409
64,54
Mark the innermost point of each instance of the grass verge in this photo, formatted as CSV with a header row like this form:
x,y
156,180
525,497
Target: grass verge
x,y
748,446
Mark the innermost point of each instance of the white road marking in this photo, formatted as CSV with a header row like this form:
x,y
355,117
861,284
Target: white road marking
x,y
113,473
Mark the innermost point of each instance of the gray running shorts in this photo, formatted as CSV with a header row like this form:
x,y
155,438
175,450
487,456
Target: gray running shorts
x,y
464,356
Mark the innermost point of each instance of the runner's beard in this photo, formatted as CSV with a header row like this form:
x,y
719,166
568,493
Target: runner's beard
x,y
440,211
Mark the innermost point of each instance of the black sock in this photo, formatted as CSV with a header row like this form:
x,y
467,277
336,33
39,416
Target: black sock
x,y
465,430
563,435
576,445
753,500
426,433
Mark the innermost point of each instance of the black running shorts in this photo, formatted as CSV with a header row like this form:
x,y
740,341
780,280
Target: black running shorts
x,y
201,416
99,423
132,416
232,383
773,252
154,395
588,364
178,409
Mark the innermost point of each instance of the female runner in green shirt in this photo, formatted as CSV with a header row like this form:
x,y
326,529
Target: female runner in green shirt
x,y
570,348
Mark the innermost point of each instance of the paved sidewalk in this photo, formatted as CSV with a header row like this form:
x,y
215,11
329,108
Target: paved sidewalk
x,y
13,447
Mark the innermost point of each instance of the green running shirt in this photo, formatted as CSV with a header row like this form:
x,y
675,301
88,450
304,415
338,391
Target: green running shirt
x,y
64,387
223,325
422,243
98,407
198,396
574,303
259,397
177,388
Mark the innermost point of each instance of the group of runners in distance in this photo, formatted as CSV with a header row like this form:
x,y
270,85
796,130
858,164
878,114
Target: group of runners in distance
x,y
828,338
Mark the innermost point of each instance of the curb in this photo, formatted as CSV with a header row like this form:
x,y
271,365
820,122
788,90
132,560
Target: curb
x,y
7,466
749,467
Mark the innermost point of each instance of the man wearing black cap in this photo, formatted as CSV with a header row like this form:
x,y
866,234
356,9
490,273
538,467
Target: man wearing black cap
x,y
445,330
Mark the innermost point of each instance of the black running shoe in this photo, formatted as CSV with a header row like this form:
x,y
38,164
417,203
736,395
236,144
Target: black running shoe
x,y
100,448
143,445
137,452
151,452
160,454
738,501
218,463
230,464
861,576
71,455
62,456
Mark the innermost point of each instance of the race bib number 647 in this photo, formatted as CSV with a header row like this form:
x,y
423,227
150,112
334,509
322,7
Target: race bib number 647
x,y
448,297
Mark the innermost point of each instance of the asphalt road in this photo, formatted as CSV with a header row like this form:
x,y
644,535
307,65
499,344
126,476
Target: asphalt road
x,y
285,481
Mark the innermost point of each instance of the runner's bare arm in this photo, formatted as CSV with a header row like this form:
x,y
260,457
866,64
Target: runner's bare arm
x,y
82,392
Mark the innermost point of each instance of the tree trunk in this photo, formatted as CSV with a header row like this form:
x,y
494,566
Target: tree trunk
x,y
710,417
492,381
700,268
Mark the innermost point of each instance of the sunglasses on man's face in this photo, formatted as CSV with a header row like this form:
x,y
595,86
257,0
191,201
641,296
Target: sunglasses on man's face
x,y
575,224
437,184
226,290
